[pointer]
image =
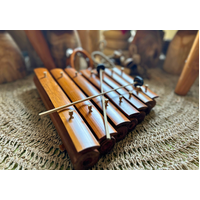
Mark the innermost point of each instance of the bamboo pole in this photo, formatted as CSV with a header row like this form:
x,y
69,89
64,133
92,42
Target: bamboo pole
x,y
190,71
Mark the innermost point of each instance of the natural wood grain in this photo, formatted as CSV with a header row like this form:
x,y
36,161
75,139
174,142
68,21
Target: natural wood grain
x,y
12,66
79,133
93,119
115,117
190,71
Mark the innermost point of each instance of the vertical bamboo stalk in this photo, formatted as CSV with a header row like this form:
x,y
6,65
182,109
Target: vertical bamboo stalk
x,y
190,71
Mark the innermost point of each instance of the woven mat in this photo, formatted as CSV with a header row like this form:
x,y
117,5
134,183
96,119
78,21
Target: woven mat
x,y
168,138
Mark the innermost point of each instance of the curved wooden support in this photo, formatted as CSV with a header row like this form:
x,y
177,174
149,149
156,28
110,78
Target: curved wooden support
x,y
85,55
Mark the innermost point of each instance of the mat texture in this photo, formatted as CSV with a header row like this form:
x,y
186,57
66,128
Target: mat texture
x,y
168,138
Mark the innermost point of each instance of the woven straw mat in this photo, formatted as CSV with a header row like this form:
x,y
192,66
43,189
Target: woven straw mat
x,y
168,138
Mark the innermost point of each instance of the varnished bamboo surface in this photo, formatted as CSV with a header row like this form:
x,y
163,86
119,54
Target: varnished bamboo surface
x,y
80,160
75,135
134,101
120,122
140,95
93,119
58,98
125,107
129,79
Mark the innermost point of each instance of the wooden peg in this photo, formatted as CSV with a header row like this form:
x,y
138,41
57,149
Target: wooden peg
x,y
120,98
76,73
138,89
45,74
112,72
122,70
92,72
146,87
61,74
106,102
90,108
130,93
71,114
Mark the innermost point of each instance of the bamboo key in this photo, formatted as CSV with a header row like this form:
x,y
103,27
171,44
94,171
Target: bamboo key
x,y
81,100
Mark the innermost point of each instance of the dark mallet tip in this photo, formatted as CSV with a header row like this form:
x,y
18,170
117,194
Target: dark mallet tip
x,y
138,81
100,66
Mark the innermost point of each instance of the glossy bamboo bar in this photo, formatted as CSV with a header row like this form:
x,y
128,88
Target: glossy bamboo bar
x,y
77,139
140,95
129,79
93,119
125,107
133,100
119,121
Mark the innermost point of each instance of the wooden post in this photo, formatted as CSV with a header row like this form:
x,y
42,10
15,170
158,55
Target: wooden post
x,y
40,45
190,71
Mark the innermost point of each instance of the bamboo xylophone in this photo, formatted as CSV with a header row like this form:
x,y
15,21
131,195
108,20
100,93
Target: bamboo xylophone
x,y
126,108
81,127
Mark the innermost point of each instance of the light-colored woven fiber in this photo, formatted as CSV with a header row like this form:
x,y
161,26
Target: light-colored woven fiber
x,y
168,138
